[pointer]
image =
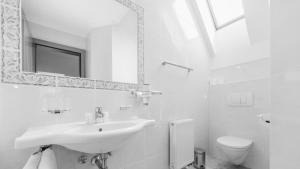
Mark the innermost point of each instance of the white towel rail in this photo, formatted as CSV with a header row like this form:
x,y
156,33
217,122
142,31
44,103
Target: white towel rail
x,y
176,65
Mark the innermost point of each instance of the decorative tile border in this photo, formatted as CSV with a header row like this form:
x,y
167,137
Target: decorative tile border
x,y
75,82
11,52
10,28
115,85
12,3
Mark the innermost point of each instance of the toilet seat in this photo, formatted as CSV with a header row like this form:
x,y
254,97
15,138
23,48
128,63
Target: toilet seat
x,y
234,142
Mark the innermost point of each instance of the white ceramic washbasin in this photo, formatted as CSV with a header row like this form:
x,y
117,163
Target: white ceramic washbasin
x,y
87,138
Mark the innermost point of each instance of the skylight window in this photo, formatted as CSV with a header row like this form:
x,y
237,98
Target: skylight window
x,y
226,12
185,19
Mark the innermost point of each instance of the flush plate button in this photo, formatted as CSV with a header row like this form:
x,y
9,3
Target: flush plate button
x,y
240,99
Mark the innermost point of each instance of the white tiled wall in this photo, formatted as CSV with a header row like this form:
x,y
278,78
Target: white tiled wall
x,y
184,95
241,121
285,85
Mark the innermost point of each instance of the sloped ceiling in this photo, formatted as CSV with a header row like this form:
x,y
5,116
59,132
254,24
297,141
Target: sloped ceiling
x,y
257,19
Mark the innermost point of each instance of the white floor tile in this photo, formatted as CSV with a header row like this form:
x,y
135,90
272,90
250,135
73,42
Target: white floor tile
x,y
212,163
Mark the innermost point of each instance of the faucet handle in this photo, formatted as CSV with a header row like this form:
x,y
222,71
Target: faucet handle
x,y
98,109
99,115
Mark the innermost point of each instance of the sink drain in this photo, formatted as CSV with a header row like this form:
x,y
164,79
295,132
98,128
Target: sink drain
x,y
100,129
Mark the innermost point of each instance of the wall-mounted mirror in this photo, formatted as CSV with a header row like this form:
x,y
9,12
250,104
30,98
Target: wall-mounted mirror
x,y
94,39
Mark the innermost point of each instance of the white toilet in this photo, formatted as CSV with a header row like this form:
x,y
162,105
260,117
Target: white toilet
x,y
234,149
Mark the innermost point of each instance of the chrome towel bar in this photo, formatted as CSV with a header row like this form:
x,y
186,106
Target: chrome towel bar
x,y
176,65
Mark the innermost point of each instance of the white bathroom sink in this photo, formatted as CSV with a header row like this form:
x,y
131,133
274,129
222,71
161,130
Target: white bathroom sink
x,y
87,138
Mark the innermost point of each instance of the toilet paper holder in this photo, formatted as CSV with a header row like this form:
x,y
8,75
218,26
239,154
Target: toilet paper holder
x,y
265,117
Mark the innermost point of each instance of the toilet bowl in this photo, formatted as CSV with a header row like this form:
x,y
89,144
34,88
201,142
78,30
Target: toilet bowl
x,y
234,149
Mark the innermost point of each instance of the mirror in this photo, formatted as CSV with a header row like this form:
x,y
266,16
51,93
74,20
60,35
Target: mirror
x,y
94,39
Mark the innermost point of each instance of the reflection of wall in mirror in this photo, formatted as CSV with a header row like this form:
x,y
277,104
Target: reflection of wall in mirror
x,y
28,63
99,54
124,50
112,51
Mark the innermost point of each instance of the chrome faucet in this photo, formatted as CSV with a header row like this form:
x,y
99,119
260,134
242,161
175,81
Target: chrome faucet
x,y
99,115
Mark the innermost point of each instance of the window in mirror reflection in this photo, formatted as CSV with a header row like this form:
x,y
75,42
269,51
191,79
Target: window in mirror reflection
x,y
92,39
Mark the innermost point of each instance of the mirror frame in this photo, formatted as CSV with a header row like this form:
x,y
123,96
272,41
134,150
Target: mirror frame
x,y
11,54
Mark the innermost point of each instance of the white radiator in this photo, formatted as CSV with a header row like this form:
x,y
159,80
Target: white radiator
x,y
181,143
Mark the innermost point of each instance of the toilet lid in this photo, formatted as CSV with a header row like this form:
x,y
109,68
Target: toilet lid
x,y
234,142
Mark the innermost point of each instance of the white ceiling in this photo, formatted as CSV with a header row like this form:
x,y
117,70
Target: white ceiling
x,y
257,19
74,16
